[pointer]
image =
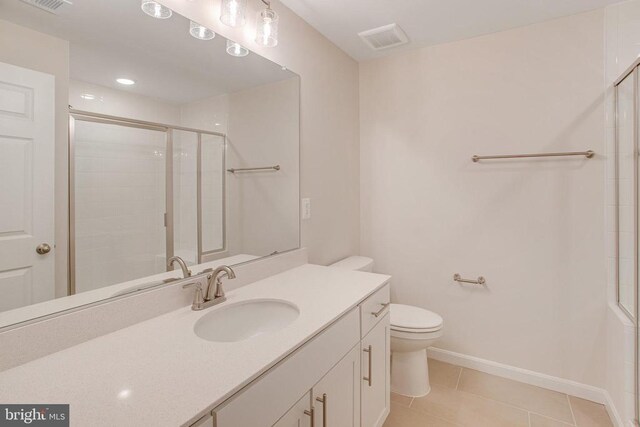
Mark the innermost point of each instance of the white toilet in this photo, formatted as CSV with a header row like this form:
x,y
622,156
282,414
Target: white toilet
x,y
413,330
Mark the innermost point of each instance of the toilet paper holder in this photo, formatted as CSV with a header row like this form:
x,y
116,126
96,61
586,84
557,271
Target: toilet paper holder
x,y
479,281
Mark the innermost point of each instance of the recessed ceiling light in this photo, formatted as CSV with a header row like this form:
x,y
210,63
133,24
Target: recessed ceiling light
x,y
126,82
156,10
236,49
88,96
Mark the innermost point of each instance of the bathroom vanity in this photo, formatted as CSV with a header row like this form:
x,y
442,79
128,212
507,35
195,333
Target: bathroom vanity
x,y
326,366
338,378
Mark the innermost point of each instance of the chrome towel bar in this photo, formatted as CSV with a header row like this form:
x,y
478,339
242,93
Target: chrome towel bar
x,y
479,281
266,168
588,154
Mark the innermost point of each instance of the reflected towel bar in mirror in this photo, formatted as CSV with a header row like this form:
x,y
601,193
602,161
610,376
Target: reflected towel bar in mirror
x,y
479,281
588,154
266,168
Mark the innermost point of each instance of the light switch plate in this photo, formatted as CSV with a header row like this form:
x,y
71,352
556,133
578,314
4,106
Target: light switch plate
x,y
306,208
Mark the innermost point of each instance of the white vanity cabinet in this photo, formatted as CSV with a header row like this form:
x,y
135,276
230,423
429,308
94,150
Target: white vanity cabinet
x,y
336,398
299,415
376,383
322,383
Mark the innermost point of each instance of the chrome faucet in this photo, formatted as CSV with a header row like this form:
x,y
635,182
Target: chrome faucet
x,y
183,265
204,299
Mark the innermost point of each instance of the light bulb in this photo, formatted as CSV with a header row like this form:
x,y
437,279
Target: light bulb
x,y
156,10
232,12
267,28
236,49
200,31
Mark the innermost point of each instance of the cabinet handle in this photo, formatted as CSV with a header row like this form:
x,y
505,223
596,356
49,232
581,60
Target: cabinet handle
x,y
311,414
370,352
379,312
323,400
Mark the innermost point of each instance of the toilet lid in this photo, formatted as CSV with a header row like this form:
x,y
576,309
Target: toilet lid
x,y
414,319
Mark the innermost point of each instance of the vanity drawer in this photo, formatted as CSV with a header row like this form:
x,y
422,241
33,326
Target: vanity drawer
x,y
374,308
291,378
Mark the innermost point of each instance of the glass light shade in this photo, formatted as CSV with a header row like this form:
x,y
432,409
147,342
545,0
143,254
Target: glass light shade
x,y
155,9
232,12
236,49
267,28
200,31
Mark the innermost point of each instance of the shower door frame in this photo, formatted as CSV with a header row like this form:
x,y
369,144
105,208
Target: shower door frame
x,y
632,73
168,130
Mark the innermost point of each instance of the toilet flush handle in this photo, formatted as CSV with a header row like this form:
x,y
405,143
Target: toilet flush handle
x,y
379,312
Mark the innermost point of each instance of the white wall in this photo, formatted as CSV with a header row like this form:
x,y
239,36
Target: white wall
x,y
533,228
622,47
329,123
122,103
40,52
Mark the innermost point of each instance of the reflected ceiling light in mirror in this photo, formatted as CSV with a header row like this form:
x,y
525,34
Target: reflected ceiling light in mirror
x,y
236,49
200,31
88,96
126,82
232,12
267,27
156,10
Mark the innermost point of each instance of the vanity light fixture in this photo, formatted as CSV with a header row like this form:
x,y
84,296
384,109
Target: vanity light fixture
x,y
267,26
126,82
156,10
232,12
236,49
200,31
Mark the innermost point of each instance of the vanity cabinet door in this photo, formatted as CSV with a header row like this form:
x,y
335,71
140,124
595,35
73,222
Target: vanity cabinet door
x,y
375,378
299,415
206,421
336,398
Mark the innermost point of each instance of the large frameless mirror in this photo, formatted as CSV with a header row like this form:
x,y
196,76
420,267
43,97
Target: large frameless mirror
x,y
127,140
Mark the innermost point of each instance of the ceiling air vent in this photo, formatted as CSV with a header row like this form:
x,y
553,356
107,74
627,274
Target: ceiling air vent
x,y
51,6
384,37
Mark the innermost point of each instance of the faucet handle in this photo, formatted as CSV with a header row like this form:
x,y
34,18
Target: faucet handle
x,y
198,297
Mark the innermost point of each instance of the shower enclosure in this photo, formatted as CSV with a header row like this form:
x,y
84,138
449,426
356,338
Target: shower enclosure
x,y
627,116
140,193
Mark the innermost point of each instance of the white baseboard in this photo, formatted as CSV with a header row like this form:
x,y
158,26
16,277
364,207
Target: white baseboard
x,y
550,382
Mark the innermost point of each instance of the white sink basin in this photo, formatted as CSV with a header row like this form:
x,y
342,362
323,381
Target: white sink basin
x,y
244,320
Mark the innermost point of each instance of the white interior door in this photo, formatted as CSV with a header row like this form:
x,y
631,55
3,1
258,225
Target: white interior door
x,y
27,135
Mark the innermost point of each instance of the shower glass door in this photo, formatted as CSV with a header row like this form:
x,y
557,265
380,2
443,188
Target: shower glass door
x,y
118,202
198,195
626,176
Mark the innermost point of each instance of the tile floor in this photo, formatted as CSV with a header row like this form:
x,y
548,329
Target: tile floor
x,y
464,397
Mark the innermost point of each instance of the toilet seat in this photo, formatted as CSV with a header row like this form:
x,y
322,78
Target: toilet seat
x,y
410,319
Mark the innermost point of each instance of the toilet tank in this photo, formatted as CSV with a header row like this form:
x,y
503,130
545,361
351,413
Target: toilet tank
x,y
359,263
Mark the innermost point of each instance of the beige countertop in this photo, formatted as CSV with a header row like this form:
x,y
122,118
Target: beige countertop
x,y
160,373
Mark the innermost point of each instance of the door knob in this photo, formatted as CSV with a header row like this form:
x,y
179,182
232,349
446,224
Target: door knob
x,y
43,248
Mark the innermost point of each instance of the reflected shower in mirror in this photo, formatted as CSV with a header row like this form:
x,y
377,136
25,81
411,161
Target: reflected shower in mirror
x,y
124,140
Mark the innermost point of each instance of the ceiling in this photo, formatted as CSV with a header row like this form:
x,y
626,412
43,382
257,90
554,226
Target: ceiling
x,y
428,22
109,39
